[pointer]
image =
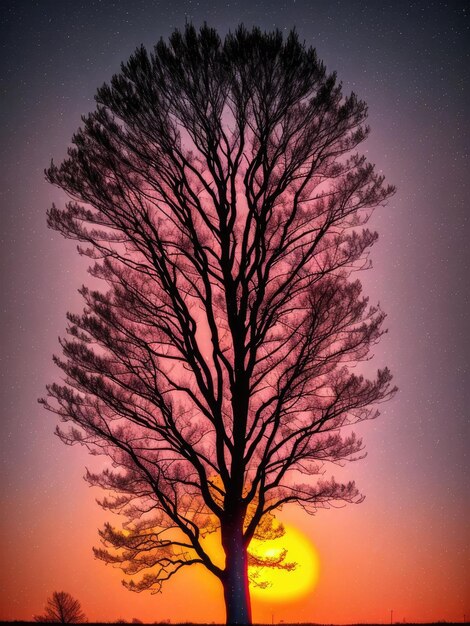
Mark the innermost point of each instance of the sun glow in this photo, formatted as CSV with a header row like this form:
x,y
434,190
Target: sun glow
x,y
280,585
269,584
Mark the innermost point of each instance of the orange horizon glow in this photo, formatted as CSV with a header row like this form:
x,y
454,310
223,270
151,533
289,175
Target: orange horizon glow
x,y
365,572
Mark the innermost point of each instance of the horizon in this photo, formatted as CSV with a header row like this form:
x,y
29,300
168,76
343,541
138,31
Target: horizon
x,y
189,623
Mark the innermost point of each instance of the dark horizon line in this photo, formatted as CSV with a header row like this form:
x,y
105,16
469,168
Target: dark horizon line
x,y
285,623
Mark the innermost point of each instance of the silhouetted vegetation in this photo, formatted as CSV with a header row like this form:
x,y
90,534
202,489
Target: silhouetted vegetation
x,y
62,608
18,623
218,191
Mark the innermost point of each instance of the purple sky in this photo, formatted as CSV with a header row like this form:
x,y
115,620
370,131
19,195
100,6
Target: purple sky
x,y
409,61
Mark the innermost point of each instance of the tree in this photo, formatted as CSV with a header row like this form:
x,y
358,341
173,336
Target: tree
x,y
217,190
61,608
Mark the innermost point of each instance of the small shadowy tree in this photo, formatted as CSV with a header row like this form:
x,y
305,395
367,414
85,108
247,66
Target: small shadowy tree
x,y
218,190
62,608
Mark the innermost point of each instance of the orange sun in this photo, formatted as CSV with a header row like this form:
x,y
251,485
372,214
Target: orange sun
x,y
284,585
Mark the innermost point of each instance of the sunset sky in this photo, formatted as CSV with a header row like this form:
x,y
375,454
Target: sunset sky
x,y
406,547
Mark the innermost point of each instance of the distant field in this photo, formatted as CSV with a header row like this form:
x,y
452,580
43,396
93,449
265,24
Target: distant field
x,y
18,623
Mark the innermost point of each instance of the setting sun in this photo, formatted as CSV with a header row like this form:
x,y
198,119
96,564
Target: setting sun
x,y
284,585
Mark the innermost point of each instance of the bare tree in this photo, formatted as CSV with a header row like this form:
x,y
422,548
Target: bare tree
x,y
62,608
217,189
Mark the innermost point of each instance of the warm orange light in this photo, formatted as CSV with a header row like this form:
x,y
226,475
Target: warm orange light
x,y
286,585
283,585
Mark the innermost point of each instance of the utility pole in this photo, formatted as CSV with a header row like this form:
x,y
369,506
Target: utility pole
x,y
391,616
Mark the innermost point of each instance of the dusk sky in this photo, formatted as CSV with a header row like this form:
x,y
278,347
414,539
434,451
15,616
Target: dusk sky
x,y
406,547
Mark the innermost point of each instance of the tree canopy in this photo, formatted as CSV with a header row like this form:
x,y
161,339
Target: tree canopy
x,y
218,191
62,608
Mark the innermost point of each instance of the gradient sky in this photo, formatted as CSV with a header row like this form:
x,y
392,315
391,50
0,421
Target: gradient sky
x,y
406,547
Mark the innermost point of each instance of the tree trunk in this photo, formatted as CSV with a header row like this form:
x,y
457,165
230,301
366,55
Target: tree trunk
x,y
235,582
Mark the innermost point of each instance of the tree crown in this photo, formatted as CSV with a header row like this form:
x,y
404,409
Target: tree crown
x,y
62,608
217,189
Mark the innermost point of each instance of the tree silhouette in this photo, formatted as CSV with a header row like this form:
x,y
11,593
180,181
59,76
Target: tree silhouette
x,y
217,189
61,608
